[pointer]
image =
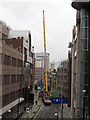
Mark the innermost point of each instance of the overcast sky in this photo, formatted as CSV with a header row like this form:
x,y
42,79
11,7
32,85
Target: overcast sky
x,y
28,15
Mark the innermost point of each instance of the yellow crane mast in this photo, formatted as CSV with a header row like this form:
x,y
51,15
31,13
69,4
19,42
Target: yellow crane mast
x,y
45,53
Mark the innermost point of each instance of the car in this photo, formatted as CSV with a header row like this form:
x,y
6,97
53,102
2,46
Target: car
x,y
47,102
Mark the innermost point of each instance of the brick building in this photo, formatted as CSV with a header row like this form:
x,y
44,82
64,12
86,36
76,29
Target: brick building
x,y
17,70
12,76
39,72
4,30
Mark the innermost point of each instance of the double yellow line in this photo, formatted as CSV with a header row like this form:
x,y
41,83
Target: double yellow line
x,y
37,112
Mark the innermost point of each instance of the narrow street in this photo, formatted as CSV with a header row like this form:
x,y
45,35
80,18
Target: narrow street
x,y
48,111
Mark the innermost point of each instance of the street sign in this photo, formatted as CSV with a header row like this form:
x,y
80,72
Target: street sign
x,y
58,100
27,110
64,100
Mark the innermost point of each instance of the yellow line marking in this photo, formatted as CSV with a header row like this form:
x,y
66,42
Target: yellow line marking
x,y
59,115
37,112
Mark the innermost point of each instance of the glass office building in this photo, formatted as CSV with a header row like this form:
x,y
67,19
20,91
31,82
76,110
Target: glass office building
x,y
84,7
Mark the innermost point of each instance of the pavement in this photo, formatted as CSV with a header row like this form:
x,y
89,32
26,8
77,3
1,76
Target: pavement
x,y
33,109
66,111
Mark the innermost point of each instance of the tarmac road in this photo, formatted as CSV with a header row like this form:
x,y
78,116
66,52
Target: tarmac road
x,y
48,111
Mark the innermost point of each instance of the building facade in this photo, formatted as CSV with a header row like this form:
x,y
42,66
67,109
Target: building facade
x,y
12,76
41,56
4,30
69,74
25,46
80,57
17,70
62,82
39,73
75,83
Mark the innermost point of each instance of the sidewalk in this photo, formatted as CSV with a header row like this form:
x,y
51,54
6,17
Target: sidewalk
x,y
66,111
33,110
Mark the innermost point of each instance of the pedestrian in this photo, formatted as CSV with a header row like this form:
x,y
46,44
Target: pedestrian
x,y
36,102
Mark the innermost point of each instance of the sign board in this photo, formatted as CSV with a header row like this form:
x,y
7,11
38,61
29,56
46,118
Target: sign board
x,y
27,110
58,100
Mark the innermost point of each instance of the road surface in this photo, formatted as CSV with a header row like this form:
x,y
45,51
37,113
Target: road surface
x,y
48,112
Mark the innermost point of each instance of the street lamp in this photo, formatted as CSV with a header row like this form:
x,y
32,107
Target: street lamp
x,y
61,99
0,117
56,114
84,91
8,113
9,110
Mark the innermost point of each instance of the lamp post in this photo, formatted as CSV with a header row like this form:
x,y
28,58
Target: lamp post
x,y
0,117
84,91
61,100
62,91
56,114
9,111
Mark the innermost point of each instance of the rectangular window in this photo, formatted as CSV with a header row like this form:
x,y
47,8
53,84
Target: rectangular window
x,y
5,100
0,80
6,60
17,94
19,63
13,61
12,96
6,79
0,58
13,78
19,78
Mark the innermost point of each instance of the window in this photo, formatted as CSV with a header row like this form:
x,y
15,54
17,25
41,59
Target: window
x,y
13,78
13,61
0,58
0,80
6,60
5,99
17,94
19,78
19,63
6,79
12,96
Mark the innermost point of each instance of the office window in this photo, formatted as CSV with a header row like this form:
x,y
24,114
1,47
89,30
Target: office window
x,y
19,63
6,79
0,80
6,60
19,78
12,96
0,58
13,78
13,61
5,100
17,94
